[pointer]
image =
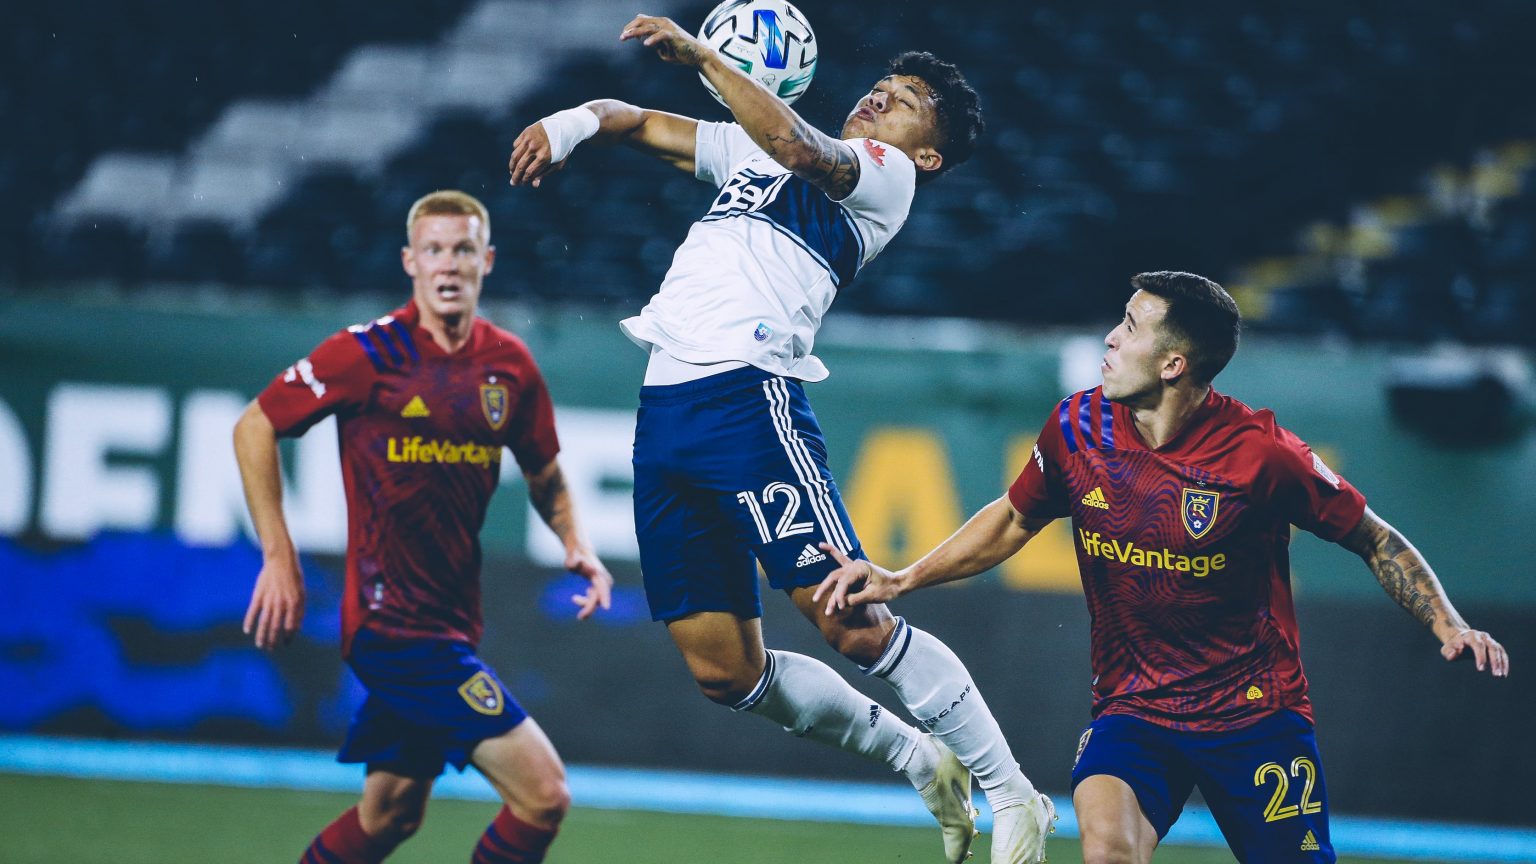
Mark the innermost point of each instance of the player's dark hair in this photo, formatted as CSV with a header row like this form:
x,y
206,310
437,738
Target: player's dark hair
x,y
1202,317
955,102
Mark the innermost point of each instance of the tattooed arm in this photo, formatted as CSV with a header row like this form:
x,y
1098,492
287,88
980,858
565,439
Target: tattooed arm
x,y
550,497
827,162
1408,579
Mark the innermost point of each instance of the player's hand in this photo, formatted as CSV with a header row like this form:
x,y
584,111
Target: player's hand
x,y
277,603
529,163
1484,649
600,592
672,43
868,582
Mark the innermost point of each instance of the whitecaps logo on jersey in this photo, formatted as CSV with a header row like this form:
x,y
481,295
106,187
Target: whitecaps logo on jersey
x,y
797,209
762,332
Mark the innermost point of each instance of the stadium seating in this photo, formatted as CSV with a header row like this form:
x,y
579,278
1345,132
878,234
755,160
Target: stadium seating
x,y
1121,138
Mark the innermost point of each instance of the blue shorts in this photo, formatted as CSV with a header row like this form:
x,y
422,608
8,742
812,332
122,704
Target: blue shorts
x,y
732,470
430,701
1263,783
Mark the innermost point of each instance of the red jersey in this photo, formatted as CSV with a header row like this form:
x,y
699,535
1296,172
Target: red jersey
x,y
421,434
1184,554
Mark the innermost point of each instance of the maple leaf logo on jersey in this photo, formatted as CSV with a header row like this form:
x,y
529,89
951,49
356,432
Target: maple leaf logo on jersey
x,y
876,152
1199,511
493,401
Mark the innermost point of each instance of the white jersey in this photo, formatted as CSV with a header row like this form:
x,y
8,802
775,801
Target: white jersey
x,y
757,273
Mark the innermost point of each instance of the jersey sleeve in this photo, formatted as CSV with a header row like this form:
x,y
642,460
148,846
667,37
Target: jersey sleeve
x,y
1307,493
1039,492
719,147
336,378
531,433
887,182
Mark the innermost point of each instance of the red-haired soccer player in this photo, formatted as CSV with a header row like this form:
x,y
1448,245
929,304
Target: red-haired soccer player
x,y
1182,500
425,400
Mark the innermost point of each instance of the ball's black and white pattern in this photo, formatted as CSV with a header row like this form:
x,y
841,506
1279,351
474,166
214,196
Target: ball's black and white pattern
x,y
769,40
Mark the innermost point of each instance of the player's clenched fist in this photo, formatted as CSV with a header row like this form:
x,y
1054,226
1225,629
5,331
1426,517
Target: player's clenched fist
x,y
672,43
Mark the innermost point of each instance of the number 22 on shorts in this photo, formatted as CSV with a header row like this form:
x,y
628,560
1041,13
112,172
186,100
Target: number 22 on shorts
x,y
1276,810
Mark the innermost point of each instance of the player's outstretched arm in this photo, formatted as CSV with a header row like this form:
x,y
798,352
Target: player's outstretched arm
x,y
1408,579
543,148
277,602
548,494
987,539
828,163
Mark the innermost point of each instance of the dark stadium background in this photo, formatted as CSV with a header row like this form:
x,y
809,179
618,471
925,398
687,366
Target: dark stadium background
x,y
195,193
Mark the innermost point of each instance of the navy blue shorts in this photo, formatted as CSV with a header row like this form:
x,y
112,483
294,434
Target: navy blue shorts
x,y
732,470
1263,783
430,701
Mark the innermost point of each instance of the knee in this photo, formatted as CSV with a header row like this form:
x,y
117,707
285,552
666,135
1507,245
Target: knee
x,y
1101,851
723,689
549,801
397,821
862,645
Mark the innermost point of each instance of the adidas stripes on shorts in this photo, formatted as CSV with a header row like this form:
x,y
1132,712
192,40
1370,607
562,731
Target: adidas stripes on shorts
x,y
731,471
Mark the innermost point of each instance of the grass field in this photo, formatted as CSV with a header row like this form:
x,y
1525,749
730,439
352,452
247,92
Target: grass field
x,y
50,820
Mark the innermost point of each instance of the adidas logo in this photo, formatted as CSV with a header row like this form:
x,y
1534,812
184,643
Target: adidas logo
x,y
1309,843
415,408
809,555
1096,499
1255,694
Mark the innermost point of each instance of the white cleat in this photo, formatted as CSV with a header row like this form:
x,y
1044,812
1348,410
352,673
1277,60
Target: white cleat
x,y
1019,831
948,798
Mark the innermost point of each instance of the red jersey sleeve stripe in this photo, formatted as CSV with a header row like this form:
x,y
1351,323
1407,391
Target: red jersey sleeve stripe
x,y
404,333
1106,421
1064,414
372,352
1084,422
389,345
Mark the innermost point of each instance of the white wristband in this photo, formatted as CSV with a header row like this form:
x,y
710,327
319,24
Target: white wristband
x,y
568,128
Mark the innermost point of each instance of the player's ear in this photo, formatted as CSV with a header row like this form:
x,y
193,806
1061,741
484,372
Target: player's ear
x,y
928,159
1175,367
408,261
490,259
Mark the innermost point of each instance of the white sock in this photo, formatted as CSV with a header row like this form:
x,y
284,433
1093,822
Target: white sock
x,y
934,685
811,701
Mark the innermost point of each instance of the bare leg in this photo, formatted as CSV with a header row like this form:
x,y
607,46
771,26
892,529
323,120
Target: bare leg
x,y
1114,829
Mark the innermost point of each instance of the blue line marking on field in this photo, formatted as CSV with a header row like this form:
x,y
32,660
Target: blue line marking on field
x,y
688,792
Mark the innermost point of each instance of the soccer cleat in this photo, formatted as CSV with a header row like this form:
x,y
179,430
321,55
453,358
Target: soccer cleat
x,y
948,798
1019,831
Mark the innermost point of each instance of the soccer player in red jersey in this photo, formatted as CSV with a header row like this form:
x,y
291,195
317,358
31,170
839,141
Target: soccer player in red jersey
x,y
1182,501
425,400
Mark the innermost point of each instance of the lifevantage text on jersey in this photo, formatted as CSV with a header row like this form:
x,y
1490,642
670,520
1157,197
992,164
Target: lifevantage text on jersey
x,y
1127,552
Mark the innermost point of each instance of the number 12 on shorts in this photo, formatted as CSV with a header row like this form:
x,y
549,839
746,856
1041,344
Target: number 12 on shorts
x,y
787,526
1276,809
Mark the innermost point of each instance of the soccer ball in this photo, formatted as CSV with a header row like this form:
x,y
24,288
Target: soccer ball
x,y
767,39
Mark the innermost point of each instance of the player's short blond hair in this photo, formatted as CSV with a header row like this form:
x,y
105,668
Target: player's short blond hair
x,y
448,202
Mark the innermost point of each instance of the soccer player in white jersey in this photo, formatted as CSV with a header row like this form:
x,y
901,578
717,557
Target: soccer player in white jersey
x,y
730,466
